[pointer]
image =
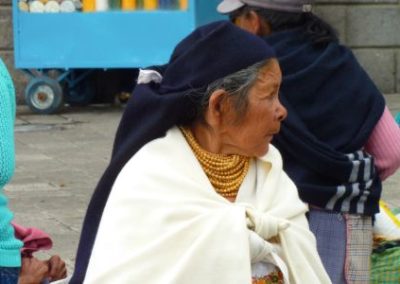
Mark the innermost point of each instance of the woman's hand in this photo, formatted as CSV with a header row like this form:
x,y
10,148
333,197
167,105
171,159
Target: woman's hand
x,y
33,271
57,268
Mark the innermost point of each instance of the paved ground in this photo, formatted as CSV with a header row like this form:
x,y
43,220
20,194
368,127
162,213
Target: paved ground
x,y
59,160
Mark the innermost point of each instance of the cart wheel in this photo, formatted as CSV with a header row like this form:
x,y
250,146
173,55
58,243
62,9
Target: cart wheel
x,y
44,95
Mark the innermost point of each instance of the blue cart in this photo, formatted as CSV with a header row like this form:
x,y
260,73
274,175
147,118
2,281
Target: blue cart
x,y
57,50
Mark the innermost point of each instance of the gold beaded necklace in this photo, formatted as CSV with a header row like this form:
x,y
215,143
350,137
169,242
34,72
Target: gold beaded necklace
x,y
225,172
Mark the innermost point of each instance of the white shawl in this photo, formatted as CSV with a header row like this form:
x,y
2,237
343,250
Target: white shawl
x,y
164,222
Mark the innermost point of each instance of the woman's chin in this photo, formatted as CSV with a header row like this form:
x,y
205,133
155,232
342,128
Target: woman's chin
x,y
262,151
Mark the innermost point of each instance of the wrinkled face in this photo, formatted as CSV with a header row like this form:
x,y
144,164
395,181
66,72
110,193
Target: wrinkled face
x,y
251,134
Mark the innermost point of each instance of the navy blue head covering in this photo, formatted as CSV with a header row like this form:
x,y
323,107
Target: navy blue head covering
x,y
207,54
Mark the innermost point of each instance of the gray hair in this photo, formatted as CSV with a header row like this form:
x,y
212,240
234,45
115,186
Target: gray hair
x,y
237,85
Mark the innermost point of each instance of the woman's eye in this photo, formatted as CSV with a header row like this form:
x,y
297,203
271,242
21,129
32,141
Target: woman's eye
x,y
273,95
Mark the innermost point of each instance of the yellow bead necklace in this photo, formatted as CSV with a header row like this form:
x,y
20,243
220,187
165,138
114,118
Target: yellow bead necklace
x,y
225,172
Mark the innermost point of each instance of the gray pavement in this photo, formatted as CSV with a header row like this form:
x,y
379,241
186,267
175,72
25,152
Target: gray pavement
x,y
59,159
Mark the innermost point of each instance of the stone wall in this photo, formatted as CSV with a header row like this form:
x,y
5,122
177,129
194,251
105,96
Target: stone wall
x,y
370,27
6,46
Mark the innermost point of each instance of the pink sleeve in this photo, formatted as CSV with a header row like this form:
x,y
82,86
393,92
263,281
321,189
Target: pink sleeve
x,y
384,145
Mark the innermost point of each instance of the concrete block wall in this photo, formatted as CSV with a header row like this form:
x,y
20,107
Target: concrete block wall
x,y
370,27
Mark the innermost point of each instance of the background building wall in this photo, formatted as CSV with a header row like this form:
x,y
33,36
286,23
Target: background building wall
x,y
370,27
6,46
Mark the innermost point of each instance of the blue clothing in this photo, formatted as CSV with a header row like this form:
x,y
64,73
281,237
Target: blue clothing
x,y
333,106
330,244
10,255
9,275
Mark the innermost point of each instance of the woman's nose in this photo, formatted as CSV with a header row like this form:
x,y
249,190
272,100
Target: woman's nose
x,y
281,112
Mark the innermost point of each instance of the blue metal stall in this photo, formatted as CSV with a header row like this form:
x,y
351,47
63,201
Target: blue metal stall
x,y
66,42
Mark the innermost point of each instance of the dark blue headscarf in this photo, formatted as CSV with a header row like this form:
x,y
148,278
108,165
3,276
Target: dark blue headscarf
x,y
209,53
333,106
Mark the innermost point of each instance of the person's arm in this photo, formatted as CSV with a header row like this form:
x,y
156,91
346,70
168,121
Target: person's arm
x,y
8,243
384,145
7,117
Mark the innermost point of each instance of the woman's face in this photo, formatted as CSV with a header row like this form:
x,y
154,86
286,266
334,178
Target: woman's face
x,y
251,134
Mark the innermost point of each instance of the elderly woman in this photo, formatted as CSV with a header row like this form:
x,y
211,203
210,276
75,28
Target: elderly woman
x,y
339,140
198,193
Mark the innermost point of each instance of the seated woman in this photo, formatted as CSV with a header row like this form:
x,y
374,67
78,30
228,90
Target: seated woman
x,y
197,193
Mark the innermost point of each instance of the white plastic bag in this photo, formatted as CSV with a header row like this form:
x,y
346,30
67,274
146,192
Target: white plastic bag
x,y
387,224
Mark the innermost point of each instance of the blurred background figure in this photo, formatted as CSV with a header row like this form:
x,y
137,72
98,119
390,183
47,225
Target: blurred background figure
x,y
339,140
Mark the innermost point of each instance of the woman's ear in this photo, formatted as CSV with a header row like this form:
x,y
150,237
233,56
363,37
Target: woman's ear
x,y
218,106
254,22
